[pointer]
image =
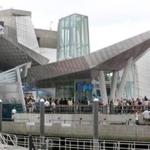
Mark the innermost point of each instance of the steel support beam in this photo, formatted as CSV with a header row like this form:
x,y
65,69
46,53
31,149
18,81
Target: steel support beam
x,y
113,86
20,88
124,78
103,90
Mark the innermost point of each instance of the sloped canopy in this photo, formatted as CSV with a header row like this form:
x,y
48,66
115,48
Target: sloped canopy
x,y
13,54
110,58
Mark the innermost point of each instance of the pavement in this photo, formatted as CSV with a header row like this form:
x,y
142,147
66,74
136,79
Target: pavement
x,y
7,147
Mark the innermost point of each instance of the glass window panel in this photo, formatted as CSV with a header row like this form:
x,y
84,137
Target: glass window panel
x,y
73,32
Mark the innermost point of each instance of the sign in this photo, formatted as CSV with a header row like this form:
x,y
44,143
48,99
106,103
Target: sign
x,y
81,86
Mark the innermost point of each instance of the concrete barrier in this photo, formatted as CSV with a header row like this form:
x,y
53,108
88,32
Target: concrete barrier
x,y
81,126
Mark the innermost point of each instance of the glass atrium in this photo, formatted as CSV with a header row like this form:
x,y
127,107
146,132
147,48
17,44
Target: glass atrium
x,y
73,37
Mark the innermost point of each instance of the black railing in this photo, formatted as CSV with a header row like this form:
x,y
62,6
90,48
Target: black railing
x,y
87,109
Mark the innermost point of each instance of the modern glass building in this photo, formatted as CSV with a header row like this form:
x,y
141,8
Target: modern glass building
x,y
73,37
121,70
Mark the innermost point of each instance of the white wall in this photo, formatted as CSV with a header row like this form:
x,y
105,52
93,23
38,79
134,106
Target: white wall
x,y
143,75
49,53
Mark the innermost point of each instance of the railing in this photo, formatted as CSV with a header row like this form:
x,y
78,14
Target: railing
x,y
8,139
63,109
2,140
88,109
48,143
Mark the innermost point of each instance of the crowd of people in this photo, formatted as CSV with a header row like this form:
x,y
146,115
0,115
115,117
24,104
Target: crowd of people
x,y
32,104
138,107
130,105
117,106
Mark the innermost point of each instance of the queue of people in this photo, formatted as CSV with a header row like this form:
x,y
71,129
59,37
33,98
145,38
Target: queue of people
x,y
32,104
115,107
138,107
130,105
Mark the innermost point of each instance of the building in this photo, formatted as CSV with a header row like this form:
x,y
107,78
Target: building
x,y
121,56
73,37
47,40
119,70
19,47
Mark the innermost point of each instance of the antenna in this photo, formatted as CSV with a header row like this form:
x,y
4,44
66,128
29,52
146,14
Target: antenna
x,y
51,22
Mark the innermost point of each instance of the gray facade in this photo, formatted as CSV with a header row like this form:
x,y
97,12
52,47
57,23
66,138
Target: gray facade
x,y
18,44
46,38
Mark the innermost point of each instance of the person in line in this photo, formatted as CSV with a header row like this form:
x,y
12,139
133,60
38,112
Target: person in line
x,y
137,118
146,116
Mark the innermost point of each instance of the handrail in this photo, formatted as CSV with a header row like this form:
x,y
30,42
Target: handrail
x,y
7,138
81,108
2,140
84,144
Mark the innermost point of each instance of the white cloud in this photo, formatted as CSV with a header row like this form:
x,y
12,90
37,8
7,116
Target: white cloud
x,y
103,36
109,20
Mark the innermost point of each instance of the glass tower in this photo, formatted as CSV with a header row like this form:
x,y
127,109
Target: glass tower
x,y
73,37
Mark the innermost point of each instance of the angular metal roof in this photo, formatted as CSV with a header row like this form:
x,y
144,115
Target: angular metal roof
x,y
13,54
60,68
115,56
18,43
110,58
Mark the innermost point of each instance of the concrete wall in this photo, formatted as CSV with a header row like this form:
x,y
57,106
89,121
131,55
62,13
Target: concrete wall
x,y
77,118
121,132
47,38
81,126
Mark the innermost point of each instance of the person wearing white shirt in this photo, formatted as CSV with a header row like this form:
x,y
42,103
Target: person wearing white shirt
x,y
146,115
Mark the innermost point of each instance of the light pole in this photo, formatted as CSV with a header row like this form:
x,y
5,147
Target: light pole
x,y
95,124
42,121
42,117
1,111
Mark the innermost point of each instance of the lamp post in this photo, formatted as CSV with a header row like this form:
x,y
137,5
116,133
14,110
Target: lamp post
x,y
1,107
42,118
95,124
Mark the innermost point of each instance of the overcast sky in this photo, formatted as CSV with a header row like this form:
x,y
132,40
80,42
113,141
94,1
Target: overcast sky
x,y
110,21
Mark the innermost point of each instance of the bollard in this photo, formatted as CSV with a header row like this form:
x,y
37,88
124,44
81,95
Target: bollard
x,y
95,125
31,145
30,142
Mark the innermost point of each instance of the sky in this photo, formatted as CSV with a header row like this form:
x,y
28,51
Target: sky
x,y
110,21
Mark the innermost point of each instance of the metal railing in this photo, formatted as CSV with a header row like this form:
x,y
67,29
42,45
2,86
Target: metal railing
x,y
88,109
48,143
67,109
8,139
